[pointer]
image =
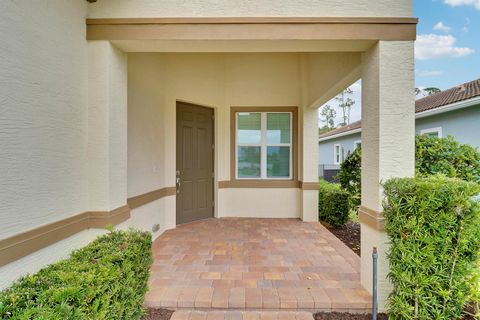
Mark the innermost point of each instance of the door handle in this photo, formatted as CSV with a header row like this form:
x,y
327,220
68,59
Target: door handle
x,y
177,185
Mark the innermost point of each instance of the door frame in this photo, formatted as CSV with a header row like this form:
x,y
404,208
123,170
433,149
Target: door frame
x,y
214,152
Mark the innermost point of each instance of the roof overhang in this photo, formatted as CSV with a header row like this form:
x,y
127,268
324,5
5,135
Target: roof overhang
x,y
253,28
449,107
341,134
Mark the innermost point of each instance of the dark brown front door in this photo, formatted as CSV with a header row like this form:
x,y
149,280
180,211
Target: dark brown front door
x,y
194,162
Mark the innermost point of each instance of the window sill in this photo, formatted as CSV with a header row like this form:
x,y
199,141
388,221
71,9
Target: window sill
x,y
259,184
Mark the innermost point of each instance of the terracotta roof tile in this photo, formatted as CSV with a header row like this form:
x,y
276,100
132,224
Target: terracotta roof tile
x,y
350,127
456,94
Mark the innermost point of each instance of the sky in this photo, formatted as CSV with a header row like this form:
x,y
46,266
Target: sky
x,y
447,50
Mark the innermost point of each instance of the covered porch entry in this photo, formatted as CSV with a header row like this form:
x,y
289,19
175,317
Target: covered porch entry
x,y
249,67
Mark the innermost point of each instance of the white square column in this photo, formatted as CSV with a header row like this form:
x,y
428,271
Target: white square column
x,y
388,145
309,166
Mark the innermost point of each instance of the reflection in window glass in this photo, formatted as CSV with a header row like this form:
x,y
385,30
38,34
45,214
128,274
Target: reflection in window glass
x,y
249,162
278,162
278,128
249,128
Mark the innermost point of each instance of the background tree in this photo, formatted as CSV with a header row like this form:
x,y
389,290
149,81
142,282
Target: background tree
x,y
345,103
327,116
426,91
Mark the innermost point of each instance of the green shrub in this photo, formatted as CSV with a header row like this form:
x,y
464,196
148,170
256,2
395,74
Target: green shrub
x,y
333,204
432,156
350,176
107,279
434,229
446,156
473,299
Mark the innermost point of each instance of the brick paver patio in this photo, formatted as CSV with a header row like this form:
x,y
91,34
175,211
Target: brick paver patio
x,y
255,264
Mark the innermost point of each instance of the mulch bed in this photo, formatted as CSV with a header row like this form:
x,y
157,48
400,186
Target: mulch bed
x,y
157,314
349,234
347,316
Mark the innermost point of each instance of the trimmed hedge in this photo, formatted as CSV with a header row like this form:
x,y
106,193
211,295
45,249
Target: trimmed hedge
x,y
107,279
333,204
433,225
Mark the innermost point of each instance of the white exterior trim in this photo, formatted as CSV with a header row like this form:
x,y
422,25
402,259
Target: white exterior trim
x,y
263,145
437,130
449,107
335,153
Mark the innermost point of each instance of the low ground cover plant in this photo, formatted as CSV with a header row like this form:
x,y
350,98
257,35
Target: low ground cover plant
x,y
333,204
107,279
433,225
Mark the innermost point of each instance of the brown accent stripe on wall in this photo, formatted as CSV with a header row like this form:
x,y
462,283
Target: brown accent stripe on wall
x,y
140,200
25,243
309,185
372,218
252,29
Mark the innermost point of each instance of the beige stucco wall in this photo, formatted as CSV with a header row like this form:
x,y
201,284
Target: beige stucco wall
x,y
107,126
35,261
259,203
43,121
259,8
43,118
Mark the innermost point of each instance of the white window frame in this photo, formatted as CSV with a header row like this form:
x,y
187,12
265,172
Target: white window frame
x,y
263,146
356,144
335,153
437,130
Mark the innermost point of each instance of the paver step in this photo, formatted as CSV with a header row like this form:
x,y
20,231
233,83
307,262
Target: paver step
x,y
242,315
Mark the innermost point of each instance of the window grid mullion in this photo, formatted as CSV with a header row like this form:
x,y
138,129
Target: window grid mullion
x,y
263,149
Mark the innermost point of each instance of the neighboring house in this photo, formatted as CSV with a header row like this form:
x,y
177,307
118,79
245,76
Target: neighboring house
x,y
454,112
148,114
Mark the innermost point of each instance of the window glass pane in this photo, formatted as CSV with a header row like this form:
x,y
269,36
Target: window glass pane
x,y
248,162
432,134
249,128
278,128
278,162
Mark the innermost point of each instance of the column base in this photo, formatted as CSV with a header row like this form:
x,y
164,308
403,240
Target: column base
x,y
309,201
373,235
